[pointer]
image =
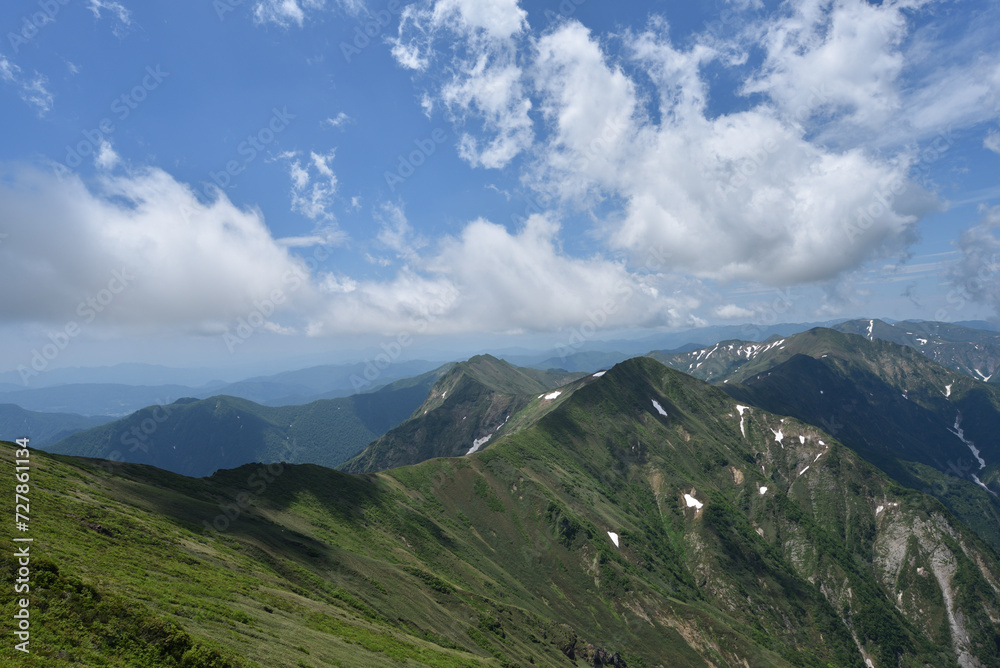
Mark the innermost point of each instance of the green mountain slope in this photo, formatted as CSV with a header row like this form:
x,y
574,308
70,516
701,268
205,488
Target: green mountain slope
x,y
467,407
930,428
43,428
197,437
644,514
974,352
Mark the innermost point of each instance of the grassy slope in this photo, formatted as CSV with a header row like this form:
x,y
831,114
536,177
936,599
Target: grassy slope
x,y
503,558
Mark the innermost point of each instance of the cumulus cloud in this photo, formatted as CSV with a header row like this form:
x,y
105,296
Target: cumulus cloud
x,y
733,312
739,196
106,157
486,86
488,279
194,266
992,141
976,275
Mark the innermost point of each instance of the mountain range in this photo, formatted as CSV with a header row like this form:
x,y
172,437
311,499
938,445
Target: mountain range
x,y
636,517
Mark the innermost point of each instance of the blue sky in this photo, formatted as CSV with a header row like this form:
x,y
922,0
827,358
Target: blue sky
x,y
201,183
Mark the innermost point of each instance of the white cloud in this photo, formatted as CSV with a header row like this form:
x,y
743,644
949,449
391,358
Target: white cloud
x,y
340,120
106,157
32,90
976,275
485,88
739,196
396,234
117,10
195,267
287,12
992,141
314,184
733,312
488,279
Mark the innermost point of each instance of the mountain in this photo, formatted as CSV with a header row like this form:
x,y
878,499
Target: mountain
x,y
43,428
197,437
645,519
467,407
95,398
928,427
974,352
583,361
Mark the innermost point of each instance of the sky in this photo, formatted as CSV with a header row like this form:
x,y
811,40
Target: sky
x,y
232,181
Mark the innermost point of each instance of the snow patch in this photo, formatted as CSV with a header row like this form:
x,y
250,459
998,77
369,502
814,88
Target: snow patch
x,y
922,342
763,491
742,428
552,395
692,502
980,483
958,431
803,470
802,439
599,374
478,443
871,326
778,436
947,390
818,456
878,510
659,408
614,537
985,378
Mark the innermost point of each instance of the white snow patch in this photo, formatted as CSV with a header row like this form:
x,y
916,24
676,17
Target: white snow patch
x,y
878,510
958,431
599,374
985,378
659,408
444,394
552,395
778,436
980,483
478,443
692,502
763,491
614,537
947,390
802,439
818,456
922,342
871,326
822,443
803,470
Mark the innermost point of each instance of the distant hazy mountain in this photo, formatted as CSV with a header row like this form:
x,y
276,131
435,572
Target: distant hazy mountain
x,y
96,399
467,407
197,437
975,352
43,428
640,518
